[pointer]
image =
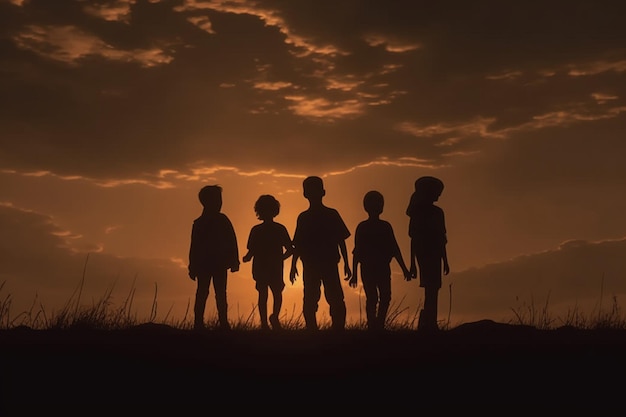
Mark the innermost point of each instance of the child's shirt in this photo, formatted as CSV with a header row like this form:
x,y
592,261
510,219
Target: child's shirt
x,y
427,226
318,234
267,243
375,243
213,244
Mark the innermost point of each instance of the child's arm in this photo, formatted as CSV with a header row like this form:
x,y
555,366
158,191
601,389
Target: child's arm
x,y
294,269
397,253
250,245
355,268
344,255
230,238
409,208
413,267
446,267
444,252
192,256
288,250
405,271
293,273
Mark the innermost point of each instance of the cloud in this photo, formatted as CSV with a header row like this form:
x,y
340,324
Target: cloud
x,y
320,108
141,90
272,86
32,244
597,67
70,45
485,128
203,22
118,10
156,181
601,98
390,44
508,75
43,264
272,17
479,127
577,277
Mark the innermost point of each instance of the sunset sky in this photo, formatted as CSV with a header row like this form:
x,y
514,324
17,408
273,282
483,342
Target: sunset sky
x,y
115,113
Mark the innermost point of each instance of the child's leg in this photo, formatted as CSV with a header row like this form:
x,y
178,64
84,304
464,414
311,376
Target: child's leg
x,y
371,300
202,293
312,293
428,317
262,305
277,295
219,285
384,291
278,301
334,296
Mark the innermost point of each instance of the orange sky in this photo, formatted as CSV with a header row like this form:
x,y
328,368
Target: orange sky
x,y
115,113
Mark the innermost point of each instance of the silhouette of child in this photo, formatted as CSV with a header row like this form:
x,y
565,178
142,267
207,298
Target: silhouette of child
x,y
269,244
212,252
375,245
427,230
319,241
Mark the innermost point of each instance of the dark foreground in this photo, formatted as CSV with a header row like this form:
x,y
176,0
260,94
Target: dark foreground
x,y
476,369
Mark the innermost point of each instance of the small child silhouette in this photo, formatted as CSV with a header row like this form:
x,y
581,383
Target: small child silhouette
x,y
212,252
269,245
427,230
375,245
320,242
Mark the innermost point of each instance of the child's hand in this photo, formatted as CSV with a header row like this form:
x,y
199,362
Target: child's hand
x,y
293,274
347,271
407,275
413,271
352,281
247,258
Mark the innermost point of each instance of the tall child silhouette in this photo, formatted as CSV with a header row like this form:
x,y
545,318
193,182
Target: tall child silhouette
x,y
375,245
427,230
212,252
269,245
320,242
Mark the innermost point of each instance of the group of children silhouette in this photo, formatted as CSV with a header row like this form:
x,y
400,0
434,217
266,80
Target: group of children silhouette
x,y
319,243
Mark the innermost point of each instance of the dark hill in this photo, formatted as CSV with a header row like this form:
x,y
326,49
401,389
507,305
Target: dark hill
x,y
482,368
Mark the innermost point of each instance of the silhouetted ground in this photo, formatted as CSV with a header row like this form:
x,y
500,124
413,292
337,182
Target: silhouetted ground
x,y
477,369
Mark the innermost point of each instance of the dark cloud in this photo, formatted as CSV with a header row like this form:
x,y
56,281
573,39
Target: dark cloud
x,y
119,94
578,277
29,239
40,268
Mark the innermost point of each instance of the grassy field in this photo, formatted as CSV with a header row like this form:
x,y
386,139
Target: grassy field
x,y
105,314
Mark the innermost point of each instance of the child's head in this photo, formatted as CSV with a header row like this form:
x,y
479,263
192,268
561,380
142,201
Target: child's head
x,y
210,197
373,203
428,188
266,207
313,187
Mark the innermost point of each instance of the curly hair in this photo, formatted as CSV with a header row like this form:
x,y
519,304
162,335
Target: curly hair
x,y
266,207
